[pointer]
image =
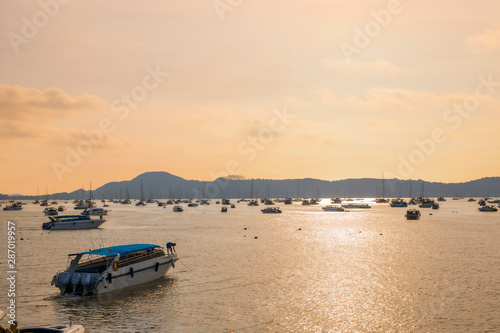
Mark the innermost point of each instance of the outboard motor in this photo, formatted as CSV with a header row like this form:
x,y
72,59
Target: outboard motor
x,y
75,281
86,281
62,281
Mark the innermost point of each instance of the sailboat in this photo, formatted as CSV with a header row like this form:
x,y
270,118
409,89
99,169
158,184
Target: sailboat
x,y
252,202
141,202
382,199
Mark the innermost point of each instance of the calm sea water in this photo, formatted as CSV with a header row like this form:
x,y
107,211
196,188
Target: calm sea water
x,y
304,270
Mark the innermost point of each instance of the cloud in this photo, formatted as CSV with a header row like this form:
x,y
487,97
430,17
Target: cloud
x,y
377,66
487,40
30,104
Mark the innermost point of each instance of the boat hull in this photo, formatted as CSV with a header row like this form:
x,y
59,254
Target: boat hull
x,y
141,273
75,225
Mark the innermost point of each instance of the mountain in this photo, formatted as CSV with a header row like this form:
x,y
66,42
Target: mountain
x,y
163,185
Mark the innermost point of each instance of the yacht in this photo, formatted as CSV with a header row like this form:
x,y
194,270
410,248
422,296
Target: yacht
x,y
49,211
95,211
426,203
193,204
288,201
178,209
271,210
412,214
114,268
85,204
223,210
72,222
332,208
226,201
253,203
336,200
442,199
141,203
435,205
61,208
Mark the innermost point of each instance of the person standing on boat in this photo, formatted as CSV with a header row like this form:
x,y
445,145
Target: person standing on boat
x,y
171,247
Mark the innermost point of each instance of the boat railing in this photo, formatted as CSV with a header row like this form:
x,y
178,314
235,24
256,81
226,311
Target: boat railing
x,y
133,259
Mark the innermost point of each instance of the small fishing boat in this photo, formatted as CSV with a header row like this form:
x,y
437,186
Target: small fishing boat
x,y
49,211
271,210
488,209
72,222
356,206
14,206
333,208
412,214
114,268
95,211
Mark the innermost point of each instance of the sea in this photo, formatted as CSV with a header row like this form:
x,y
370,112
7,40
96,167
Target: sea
x,y
304,270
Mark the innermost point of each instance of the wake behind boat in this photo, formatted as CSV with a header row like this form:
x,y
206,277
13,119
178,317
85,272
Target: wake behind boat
x,y
114,268
71,222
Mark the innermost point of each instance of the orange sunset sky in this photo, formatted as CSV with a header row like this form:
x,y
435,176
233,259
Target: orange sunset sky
x,y
100,91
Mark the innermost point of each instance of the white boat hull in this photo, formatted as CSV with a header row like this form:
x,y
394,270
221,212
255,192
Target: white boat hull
x,y
75,225
142,272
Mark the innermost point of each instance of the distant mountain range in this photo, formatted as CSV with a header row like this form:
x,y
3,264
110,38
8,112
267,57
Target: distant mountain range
x,y
164,185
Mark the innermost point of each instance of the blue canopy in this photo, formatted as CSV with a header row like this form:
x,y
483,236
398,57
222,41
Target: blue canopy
x,y
112,251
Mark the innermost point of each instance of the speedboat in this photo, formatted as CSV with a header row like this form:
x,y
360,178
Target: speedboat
x,y
40,329
332,208
488,209
412,214
49,211
95,211
271,210
71,222
114,268
356,206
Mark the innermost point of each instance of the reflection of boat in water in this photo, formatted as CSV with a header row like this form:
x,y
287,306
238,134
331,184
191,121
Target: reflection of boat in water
x,y
71,222
356,206
114,268
332,208
412,214
271,210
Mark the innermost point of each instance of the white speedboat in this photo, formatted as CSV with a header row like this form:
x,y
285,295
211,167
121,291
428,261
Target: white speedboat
x,y
271,210
95,211
333,208
49,211
71,222
412,214
114,268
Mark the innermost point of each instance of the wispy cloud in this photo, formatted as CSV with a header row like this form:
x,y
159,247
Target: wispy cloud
x,y
487,40
23,103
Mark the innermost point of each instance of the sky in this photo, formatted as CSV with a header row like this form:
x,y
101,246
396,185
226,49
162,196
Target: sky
x,y
100,91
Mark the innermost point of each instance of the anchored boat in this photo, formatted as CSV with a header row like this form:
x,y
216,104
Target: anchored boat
x,y
70,222
114,268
